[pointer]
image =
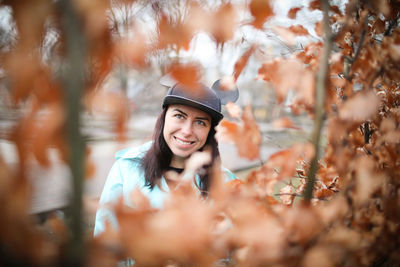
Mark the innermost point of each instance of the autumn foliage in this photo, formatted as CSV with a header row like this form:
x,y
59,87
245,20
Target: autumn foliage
x,y
353,215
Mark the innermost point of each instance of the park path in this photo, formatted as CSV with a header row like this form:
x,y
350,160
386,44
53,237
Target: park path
x,y
51,186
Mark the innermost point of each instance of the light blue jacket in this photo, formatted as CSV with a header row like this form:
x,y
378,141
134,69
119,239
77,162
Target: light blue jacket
x,y
125,176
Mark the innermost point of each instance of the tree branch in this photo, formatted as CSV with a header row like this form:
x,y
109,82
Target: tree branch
x,y
73,78
392,24
351,61
319,103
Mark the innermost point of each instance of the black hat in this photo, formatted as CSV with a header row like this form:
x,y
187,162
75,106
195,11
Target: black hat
x,y
201,97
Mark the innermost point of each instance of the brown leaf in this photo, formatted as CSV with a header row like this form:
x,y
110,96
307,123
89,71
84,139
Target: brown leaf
x,y
241,63
315,5
111,104
367,179
299,30
284,122
293,12
301,80
302,223
47,130
318,256
323,193
132,52
188,74
286,195
360,107
285,161
234,110
173,34
247,137
224,23
261,10
227,83
286,34
319,28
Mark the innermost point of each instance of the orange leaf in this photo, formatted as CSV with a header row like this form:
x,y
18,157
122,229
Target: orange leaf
x,y
241,63
323,193
223,26
234,110
132,52
187,74
284,122
261,10
319,28
285,161
227,83
247,137
170,34
293,12
301,79
299,30
360,107
315,5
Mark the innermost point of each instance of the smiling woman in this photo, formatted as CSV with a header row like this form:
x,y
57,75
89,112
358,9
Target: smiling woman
x,y
185,131
186,125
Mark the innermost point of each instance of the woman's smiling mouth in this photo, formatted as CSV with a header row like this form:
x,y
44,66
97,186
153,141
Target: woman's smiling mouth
x,y
182,142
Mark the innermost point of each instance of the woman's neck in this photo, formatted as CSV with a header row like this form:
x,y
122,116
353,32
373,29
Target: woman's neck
x,y
177,162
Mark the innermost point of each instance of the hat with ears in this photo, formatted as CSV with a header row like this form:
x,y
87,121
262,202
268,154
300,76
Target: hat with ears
x,y
200,97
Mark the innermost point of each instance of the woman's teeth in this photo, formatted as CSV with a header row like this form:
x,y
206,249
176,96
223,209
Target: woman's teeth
x,y
183,142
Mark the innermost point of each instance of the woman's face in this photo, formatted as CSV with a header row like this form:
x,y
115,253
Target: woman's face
x,y
185,131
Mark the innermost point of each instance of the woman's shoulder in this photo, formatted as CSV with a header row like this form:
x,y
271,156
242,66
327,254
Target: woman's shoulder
x,y
134,153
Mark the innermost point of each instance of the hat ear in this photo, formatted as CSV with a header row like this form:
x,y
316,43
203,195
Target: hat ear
x,y
226,96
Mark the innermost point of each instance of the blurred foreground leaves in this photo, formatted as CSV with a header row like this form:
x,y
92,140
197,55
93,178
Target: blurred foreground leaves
x,y
353,217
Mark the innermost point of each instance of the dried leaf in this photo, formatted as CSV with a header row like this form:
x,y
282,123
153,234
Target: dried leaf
x,y
315,5
360,107
247,137
227,83
318,257
241,63
286,34
367,179
173,34
293,12
299,30
302,223
319,28
132,52
261,10
284,122
285,161
224,23
286,195
188,74
234,110
301,80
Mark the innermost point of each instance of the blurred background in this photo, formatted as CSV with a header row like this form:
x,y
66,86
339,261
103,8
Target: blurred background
x,y
142,91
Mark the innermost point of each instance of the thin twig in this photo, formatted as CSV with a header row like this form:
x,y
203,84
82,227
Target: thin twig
x,y
73,77
351,61
392,24
319,103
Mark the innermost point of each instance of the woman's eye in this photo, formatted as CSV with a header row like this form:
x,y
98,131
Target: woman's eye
x,y
202,123
179,116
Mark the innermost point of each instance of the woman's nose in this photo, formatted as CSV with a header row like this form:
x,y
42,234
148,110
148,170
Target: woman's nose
x,y
187,128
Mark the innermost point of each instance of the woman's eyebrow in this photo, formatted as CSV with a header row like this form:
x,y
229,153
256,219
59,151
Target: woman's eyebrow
x,y
202,118
198,118
180,111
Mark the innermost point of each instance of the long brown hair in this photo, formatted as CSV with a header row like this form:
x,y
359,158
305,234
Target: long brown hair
x,y
159,156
